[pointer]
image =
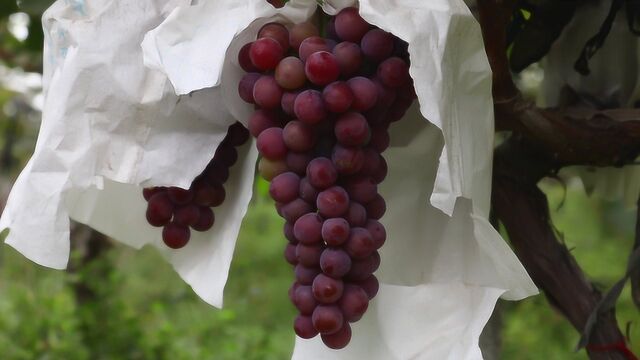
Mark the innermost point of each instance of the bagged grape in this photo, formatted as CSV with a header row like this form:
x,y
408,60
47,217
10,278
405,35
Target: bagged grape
x,y
415,216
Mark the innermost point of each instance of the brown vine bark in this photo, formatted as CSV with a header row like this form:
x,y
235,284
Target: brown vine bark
x,y
542,142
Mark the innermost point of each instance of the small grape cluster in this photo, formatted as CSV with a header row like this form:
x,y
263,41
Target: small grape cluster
x,y
176,209
323,109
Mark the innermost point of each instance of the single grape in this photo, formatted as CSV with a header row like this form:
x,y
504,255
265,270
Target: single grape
x,y
277,32
147,193
267,93
290,254
309,255
381,171
303,326
370,286
180,196
378,233
350,26
205,220
304,300
299,136
327,319
271,145
265,53
337,97
245,87
290,73
305,275
327,290
377,44
261,120
186,215
159,209
351,129
269,169
308,229
288,233
175,236
322,68
309,107
321,173
237,134
347,161
360,243
298,162
376,207
379,139
300,32
371,161
307,191
311,45
335,263
335,232
393,72
349,57
339,339
276,3
292,291
361,269
365,93
294,210
356,215
288,101
332,202
226,154
361,189
354,303
245,60
284,187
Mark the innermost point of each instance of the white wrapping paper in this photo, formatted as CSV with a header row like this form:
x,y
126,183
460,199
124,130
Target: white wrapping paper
x,y
614,78
112,125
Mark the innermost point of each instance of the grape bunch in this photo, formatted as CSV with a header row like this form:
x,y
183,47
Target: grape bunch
x,y
323,107
177,210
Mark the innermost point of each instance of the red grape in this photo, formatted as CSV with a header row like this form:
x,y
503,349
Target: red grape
x,y
350,26
175,236
265,53
322,68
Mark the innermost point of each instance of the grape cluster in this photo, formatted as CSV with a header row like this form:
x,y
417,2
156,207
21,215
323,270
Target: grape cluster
x,y
177,210
323,109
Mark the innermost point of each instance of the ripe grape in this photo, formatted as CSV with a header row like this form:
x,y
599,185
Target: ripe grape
x,y
378,233
361,189
351,129
349,57
327,319
159,209
312,45
287,102
327,290
299,136
179,196
290,73
376,207
267,93
298,162
377,44
354,303
308,229
245,87
307,192
205,220
277,32
265,53
335,263
393,72
284,187
300,32
350,26
294,210
305,275
261,120
356,215
309,107
337,97
364,91
332,202
322,68
304,328
321,173
360,243
290,254
309,255
245,60
271,144
175,235
370,286
339,339
304,300
186,215
335,231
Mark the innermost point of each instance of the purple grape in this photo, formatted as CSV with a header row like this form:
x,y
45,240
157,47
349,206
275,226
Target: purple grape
x,y
300,32
290,254
271,145
216,172
378,233
307,191
159,209
312,45
308,229
347,161
356,215
309,107
361,189
322,68
350,26
205,220
284,187
337,97
175,236
352,130
303,326
304,300
267,93
379,139
370,286
277,32
186,215
287,102
332,202
294,210
327,290
354,303
237,135
376,207
363,268
245,60
147,193
298,136
339,339
360,243
335,232
393,72
365,93
245,87
377,45
309,255
305,275
179,196
327,319
226,154
266,53
261,120
371,162
288,233
335,263
349,57
290,73
321,173
298,162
